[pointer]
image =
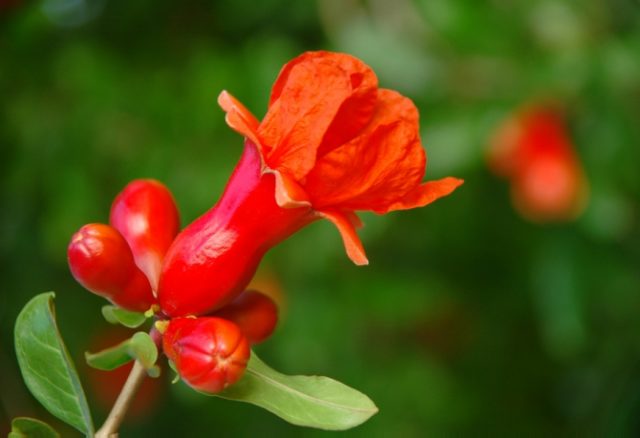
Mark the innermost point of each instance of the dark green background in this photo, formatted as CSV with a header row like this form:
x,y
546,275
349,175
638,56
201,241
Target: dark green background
x,y
469,319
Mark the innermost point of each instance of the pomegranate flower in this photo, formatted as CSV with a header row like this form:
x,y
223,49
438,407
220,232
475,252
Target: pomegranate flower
x,y
332,143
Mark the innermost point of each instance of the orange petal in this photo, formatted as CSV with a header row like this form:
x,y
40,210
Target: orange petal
x,y
352,243
289,194
316,96
377,168
239,118
354,219
425,194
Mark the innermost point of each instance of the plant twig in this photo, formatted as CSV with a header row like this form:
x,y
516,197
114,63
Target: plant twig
x,y
111,425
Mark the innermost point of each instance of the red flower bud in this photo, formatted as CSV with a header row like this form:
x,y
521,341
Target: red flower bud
x,y
255,314
146,216
209,353
101,261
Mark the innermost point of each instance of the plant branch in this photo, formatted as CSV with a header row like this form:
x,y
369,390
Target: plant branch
x,y
111,425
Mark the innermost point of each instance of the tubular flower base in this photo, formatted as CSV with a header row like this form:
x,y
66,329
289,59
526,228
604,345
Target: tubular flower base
x,y
332,143
534,151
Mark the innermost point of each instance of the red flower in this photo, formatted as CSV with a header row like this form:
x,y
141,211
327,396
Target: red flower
x,y
331,143
534,150
337,143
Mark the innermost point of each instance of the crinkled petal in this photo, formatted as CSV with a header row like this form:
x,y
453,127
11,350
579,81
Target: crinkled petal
x,y
424,194
352,243
239,118
377,168
319,100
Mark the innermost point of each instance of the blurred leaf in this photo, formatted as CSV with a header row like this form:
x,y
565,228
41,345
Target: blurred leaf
x,y
46,366
116,315
312,401
25,427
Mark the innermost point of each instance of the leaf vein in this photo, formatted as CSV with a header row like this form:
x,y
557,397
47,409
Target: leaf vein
x,y
309,397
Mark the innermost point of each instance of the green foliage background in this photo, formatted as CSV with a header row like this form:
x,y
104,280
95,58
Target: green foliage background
x,y
468,320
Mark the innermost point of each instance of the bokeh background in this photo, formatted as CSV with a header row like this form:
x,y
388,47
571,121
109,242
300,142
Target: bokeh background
x,y
469,320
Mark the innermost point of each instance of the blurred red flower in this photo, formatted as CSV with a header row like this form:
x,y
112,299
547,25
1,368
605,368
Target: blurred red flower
x,y
534,151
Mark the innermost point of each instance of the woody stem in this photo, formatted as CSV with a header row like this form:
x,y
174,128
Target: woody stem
x,y
111,425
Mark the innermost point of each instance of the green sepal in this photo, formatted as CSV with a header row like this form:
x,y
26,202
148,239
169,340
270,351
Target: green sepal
x,y
176,378
127,318
139,347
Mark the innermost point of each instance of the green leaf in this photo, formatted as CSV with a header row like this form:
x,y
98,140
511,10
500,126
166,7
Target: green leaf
x,y
140,346
110,358
25,427
116,315
46,366
311,401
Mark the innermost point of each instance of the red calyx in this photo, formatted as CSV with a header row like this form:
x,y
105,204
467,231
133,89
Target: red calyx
x,y
209,353
255,314
101,261
213,259
145,213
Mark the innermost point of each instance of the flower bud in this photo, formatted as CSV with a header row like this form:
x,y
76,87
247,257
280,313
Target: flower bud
x,y
209,353
255,314
146,216
101,261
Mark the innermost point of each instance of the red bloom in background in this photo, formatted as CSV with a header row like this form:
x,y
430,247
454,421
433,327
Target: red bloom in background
x,y
534,151
332,143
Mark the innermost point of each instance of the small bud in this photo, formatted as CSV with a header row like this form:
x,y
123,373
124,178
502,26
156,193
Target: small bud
x,y
255,314
209,353
145,213
101,261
